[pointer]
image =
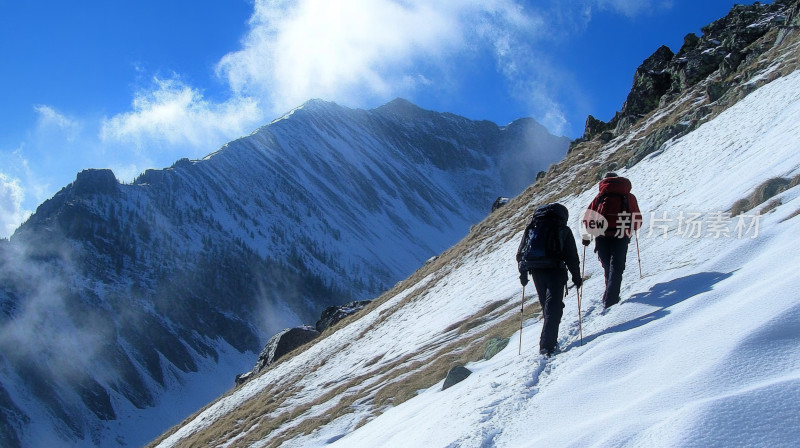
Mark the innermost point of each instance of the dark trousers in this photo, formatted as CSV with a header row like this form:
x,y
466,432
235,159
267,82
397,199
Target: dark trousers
x,y
612,252
550,288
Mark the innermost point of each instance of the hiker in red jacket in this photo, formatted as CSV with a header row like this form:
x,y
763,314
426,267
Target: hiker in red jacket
x,y
622,217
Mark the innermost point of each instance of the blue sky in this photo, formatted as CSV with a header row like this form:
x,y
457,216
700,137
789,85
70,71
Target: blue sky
x,y
137,84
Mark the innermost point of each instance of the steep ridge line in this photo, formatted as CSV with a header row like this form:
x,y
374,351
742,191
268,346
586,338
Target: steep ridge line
x,y
174,281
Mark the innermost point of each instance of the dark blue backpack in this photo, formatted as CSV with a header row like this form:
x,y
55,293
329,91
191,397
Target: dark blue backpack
x,y
541,246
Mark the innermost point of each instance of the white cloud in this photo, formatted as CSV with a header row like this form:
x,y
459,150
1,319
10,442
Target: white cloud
x,y
49,116
50,120
354,51
12,213
175,113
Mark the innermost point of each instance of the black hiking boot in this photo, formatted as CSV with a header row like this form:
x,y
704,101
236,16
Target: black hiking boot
x,y
549,352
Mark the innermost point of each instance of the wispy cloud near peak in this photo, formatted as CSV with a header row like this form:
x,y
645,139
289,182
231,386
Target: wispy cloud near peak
x,y
175,113
50,119
355,51
11,210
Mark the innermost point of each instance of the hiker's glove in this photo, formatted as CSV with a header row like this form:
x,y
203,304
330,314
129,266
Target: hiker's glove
x,y
578,281
523,278
586,242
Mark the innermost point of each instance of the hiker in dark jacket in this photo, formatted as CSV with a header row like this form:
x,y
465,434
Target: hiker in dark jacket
x,y
549,270
621,212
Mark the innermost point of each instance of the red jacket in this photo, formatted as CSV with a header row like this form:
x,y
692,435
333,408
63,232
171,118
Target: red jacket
x,y
617,190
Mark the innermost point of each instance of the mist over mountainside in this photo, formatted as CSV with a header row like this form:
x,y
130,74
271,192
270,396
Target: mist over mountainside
x,y
114,296
693,355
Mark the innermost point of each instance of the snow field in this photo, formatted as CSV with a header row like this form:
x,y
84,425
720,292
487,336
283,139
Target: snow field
x,y
702,351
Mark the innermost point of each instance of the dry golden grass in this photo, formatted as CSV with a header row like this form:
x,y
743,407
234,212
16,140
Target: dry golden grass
x,y
795,182
249,414
374,360
459,351
796,212
740,206
773,204
395,383
762,193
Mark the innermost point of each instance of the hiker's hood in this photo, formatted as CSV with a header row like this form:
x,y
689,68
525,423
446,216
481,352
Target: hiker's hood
x,y
619,185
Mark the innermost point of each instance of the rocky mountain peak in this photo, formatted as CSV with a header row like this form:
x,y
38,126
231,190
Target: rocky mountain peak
x,y
193,266
95,181
401,108
725,44
318,104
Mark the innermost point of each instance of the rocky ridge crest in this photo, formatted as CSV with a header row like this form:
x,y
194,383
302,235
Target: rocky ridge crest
x,y
711,61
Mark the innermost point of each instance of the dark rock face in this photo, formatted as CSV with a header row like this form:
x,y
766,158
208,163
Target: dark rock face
x,y
278,346
333,314
651,81
291,338
243,378
594,127
500,202
690,42
282,343
717,89
94,181
456,375
725,45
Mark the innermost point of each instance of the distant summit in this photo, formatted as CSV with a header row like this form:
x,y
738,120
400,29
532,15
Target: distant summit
x,y
179,278
400,106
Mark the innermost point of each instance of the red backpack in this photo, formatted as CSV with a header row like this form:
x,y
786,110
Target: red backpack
x,y
615,200
611,205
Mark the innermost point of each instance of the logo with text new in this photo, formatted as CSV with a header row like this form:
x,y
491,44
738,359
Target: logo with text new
x,y
592,223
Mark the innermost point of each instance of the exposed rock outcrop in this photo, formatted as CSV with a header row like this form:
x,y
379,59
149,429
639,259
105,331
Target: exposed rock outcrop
x,y
725,45
650,82
333,314
499,202
292,338
279,345
456,375
93,181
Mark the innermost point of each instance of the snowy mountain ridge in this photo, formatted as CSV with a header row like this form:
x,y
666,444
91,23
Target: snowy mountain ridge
x,y
169,286
701,351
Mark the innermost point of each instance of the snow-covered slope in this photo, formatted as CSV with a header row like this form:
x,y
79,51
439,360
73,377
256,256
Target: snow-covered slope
x,y
125,306
704,349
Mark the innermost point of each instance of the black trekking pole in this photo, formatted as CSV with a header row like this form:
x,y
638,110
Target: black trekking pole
x,y
521,317
639,257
